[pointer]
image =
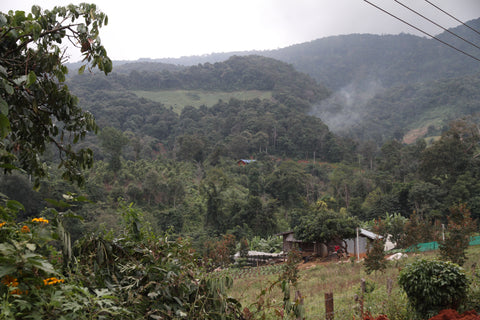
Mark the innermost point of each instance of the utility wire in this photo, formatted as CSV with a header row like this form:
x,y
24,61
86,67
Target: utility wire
x,y
445,29
424,32
448,14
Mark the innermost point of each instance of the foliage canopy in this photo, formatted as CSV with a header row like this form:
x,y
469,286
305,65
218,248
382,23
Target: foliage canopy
x,y
37,109
433,285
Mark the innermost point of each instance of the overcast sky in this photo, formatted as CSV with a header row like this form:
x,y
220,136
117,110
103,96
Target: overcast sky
x,y
174,28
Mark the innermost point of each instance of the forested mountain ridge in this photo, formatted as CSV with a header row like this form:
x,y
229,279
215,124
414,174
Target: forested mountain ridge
x,y
235,128
236,73
337,61
366,71
405,112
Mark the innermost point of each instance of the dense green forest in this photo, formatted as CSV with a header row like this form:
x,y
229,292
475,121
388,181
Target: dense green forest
x,y
180,166
99,211
378,79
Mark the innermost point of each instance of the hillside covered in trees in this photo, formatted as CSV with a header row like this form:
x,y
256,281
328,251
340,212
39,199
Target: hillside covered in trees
x,y
366,71
122,191
179,163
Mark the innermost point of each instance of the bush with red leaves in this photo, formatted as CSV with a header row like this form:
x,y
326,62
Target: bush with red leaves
x,y
448,314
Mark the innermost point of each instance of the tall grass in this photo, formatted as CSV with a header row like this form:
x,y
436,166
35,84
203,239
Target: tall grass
x,y
344,281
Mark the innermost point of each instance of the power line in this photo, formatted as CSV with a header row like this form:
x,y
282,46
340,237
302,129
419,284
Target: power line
x,y
431,21
422,31
448,14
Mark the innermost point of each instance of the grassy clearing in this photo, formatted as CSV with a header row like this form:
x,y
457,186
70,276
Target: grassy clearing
x,y
343,279
177,99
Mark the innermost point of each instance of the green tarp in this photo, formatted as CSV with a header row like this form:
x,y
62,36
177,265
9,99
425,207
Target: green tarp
x,y
428,246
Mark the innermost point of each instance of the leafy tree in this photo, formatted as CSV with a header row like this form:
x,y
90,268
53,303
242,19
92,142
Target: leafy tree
x,y
287,183
191,147
460,228
36,108
113,141
260,216
417,230
425,197
324,225
452,155
395,227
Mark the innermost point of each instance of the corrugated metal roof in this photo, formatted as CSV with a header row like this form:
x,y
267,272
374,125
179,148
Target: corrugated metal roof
x,y
247,160
369,234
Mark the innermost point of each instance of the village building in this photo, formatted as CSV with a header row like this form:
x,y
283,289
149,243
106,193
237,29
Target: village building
x,y
356,246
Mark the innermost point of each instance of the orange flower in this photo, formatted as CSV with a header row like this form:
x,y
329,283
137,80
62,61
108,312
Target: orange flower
x,y
42,220
10,281
2,224
52,281
25,229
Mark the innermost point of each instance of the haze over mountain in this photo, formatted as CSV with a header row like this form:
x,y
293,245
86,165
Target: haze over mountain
x,y
368,75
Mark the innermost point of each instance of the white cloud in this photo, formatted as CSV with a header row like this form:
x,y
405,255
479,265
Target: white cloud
x,y
172,28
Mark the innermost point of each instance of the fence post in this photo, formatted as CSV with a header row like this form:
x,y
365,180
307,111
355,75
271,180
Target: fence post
x,y
329,314
389,286
299,300
363,287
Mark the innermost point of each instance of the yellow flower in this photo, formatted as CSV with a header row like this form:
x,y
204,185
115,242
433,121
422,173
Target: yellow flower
x,y
42,220
52,281
25,229
2,224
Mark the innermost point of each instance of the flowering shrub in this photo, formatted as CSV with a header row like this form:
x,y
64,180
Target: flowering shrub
x,y
30,283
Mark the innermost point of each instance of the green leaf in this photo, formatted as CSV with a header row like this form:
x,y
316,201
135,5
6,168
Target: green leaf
x,y
32,77
60,204
14,205
3,107
36,10
3,20
6,269
4,126
3,71
6,249
81,69
9,166
8,87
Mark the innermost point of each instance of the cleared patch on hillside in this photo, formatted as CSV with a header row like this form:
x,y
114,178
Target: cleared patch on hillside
x,y
414,135
178,99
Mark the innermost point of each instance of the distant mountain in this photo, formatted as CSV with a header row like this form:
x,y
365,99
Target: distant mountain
x,y
236,73
388,59
382,86
275,122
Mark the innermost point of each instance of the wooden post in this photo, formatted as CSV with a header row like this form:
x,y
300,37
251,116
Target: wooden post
x,y
329,314
363,287
299,299
389,286
358,246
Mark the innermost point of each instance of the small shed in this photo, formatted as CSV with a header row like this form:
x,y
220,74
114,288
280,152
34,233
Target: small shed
x,y
361,243
307,248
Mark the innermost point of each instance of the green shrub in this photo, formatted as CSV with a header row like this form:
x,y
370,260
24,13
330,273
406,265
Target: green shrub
x,y
432,285
460,227
375,259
